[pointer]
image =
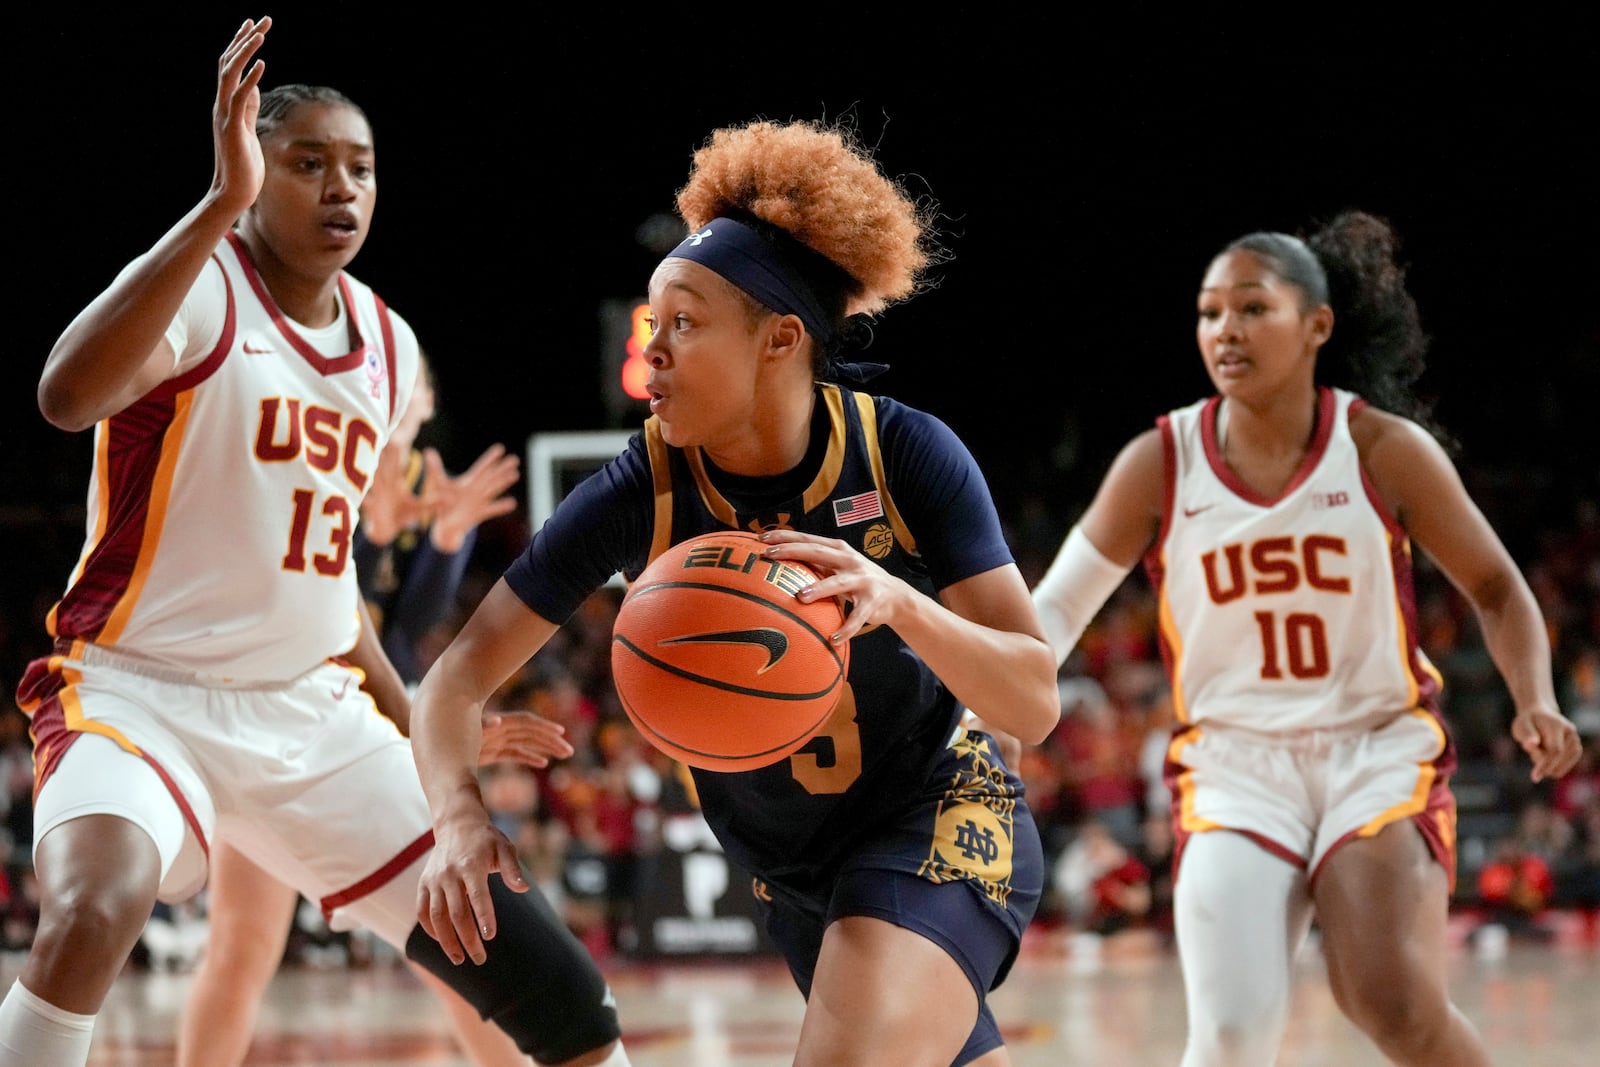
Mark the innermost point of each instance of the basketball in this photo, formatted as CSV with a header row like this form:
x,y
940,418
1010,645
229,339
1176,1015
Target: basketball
x,y
717,663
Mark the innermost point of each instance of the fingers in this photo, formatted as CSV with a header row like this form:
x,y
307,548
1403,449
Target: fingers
x,y
434,912
244,45
1551,741
459,914
511,872
864,590
522,737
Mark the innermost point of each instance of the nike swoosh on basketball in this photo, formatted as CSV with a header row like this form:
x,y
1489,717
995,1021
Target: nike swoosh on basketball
x,y
1190,513
776,642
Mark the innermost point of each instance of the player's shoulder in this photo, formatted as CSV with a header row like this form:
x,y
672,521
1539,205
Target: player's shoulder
x,y
1380,434
1144,453
898,421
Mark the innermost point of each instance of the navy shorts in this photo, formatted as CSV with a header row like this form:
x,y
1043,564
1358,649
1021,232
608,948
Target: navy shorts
x,y
964,869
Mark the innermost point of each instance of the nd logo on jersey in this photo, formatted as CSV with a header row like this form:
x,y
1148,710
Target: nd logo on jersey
x,y
972,833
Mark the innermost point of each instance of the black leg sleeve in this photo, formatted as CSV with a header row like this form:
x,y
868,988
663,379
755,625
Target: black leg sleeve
x,y
538,984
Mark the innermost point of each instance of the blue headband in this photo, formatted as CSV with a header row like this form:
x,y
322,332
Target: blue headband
x,y
742,256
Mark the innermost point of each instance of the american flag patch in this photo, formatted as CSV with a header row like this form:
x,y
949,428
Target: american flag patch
x,y
858,508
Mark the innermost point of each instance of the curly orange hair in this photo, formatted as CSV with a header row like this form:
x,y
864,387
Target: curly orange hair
x,y
820,184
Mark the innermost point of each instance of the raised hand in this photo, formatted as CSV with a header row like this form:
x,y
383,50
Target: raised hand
x,y
240,168
460,503
390,506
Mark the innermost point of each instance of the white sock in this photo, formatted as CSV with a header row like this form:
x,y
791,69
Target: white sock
x,y
36,1033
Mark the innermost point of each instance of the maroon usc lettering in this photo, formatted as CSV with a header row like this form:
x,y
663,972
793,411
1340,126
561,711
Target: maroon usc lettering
x,y
319,434
1276,565
327,443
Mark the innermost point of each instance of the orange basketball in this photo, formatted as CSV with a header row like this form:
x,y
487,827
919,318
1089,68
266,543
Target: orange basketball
x,y
717,663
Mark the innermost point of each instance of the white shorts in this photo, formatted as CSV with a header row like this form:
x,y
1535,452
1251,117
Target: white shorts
x,y
1301,795
306,778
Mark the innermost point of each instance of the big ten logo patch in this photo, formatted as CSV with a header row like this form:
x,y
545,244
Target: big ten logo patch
x,y
878,541
1329,500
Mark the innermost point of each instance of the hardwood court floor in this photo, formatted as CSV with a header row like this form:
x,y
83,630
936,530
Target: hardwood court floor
x,y
1536,1006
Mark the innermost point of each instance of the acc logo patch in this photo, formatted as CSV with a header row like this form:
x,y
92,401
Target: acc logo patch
x,y
878,541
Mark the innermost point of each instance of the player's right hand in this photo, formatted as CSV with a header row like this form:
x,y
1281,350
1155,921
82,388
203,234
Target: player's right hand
x,y
240,168
453,902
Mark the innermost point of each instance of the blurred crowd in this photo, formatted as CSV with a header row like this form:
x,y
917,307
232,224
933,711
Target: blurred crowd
x,y
590,827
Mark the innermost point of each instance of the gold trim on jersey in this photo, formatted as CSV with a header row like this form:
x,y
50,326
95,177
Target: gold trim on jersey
x,y
661,479
1402,631
154,520
816,493
102,494
869,427
1169,630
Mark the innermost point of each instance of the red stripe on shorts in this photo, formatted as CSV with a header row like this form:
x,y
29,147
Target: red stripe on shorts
x,y
378,878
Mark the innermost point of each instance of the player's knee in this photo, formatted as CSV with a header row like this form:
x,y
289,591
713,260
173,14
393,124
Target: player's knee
x,y
87,921
538,983
1397,1015
1229,1045
1236,1031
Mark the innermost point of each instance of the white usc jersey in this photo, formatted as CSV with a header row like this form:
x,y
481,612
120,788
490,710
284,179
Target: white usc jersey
x,y
223,503
1288,614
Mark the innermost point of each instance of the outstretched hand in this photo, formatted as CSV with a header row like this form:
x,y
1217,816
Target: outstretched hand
x,y
460,503
1550,740
522,737
390,506
240,167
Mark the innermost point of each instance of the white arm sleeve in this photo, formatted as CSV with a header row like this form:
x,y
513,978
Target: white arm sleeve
x,y
1073,590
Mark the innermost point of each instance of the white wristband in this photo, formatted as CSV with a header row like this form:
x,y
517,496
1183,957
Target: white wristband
x,y
1073,590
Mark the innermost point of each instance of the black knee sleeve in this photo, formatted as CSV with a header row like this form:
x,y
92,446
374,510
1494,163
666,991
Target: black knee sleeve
x,y
538,983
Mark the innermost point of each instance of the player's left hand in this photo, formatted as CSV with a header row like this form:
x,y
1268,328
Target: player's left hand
x,y
874,595
522,737
1549,739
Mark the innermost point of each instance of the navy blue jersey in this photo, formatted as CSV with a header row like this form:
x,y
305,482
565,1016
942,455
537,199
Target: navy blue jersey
x,y
893,482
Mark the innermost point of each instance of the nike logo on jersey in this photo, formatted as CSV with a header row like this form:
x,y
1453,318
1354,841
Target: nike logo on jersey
x,y
1190,513
338,694
774,641
252,349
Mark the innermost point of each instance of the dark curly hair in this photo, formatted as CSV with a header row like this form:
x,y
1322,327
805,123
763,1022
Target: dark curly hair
x,y
276,104
1378,347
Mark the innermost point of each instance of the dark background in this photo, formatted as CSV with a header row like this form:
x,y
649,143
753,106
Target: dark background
x,y
1086,172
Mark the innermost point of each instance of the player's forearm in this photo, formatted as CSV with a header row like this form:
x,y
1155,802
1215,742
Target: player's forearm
x,y
382,681
1008,678
94,369
447,732
1514,633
